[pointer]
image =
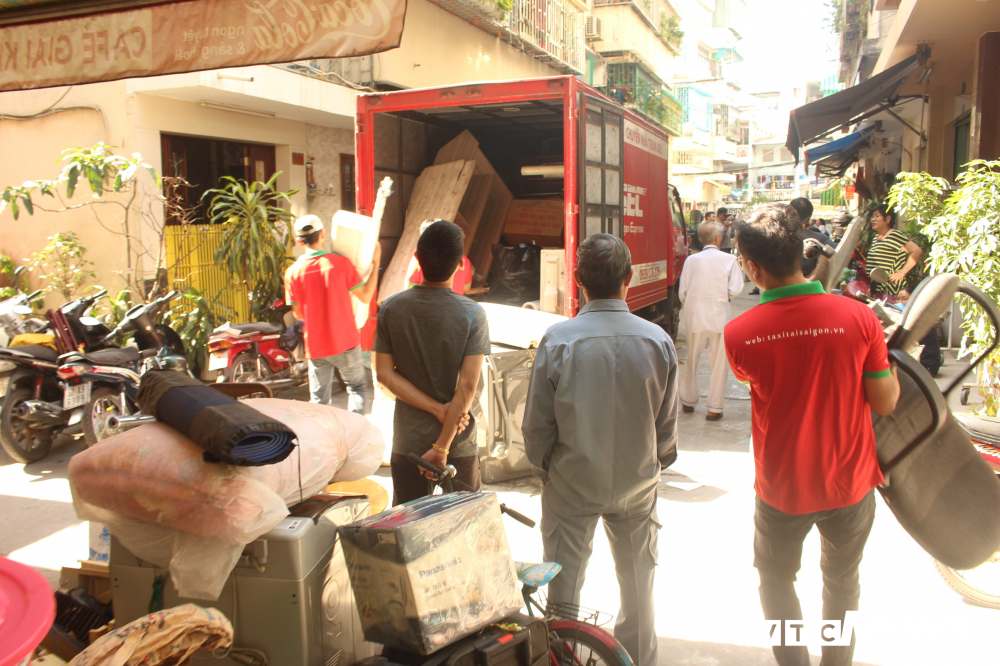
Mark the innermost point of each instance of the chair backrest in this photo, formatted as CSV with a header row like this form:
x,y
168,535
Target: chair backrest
x,y
845,249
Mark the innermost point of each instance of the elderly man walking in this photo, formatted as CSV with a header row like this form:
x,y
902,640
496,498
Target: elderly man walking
x,y
600,425
710,279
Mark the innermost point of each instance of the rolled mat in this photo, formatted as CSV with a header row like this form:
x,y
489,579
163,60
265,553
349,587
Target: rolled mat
x,y
230,431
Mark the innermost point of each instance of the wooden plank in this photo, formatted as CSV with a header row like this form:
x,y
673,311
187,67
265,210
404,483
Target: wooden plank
x,y
474,203
437,193
490,228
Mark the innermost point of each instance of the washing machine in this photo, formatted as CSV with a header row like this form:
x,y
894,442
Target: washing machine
x,y
289,596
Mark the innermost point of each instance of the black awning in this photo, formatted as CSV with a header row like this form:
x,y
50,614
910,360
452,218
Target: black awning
x,y
13,12
813,120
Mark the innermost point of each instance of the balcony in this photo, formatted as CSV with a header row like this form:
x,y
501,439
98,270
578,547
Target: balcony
x,y
629,30
634,89
548,30
724,149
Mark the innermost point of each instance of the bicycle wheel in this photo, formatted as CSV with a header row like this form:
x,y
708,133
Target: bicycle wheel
x,y
981,585
578,644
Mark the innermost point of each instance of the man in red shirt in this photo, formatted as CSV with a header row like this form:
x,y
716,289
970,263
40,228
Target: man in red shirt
x,y
318,287
817,364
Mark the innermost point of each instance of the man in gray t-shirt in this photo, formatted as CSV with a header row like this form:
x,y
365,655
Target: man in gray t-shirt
x,y
430,344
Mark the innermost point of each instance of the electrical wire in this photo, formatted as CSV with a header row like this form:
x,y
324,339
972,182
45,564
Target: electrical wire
x,y
53,109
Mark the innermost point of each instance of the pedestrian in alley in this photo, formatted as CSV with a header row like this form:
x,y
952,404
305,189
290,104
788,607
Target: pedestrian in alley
x,y
722,217
599,426
318,287
817,364
709,280
804,208
430,344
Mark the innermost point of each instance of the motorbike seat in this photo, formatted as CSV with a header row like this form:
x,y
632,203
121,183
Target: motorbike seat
x,y
38,351
115,356
261,327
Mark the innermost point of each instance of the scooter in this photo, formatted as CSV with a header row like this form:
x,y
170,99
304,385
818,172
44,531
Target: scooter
x,y
33,407
264,353
105,383
13,313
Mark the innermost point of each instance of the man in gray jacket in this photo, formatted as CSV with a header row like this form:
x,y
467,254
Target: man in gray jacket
x,y
600,424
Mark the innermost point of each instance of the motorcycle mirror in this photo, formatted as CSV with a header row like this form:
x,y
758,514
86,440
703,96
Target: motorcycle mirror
x,y
18,272
22,310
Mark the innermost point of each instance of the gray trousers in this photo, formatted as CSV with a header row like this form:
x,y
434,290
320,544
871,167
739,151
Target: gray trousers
x,y
568,538
351,366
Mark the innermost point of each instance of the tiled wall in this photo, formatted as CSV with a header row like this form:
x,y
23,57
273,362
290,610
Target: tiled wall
x,y
324,146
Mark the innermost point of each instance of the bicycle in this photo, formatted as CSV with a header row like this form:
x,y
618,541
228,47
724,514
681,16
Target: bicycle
x,y
575,634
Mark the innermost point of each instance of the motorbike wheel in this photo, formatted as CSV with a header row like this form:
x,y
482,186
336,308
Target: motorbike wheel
x,y
980,586
244,369
22,441
104,403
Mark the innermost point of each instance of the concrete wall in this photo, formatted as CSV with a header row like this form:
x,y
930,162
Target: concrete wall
x,y
439,48
31,150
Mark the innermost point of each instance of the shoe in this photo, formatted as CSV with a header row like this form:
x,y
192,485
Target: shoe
x,y
687,410
754,291
713,416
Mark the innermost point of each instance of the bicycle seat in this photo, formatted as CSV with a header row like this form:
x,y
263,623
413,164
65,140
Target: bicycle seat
x,y
537,575
264,328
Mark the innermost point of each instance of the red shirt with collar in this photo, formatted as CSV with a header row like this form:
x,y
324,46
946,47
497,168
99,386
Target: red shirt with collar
x,y
462,279
805,354
320,283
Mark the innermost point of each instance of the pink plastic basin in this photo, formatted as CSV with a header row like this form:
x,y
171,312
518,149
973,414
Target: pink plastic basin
x,y
27,609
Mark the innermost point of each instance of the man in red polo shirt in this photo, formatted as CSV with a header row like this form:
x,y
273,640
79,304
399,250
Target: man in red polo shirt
x,y
318,287
817,364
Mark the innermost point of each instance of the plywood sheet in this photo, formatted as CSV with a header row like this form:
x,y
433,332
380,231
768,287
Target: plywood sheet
x,y
490,227
437,193
465,147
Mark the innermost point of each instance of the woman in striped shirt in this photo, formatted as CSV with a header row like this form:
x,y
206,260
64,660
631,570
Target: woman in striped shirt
x,y
892,251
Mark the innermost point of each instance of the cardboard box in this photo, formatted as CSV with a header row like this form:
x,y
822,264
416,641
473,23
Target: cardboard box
x,y
92,576
430,572
538,221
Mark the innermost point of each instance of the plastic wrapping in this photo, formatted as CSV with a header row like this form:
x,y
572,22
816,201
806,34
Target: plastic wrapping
x,y
432,571
156,494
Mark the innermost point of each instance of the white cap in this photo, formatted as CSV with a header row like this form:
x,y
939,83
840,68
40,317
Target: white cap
x,y
307,224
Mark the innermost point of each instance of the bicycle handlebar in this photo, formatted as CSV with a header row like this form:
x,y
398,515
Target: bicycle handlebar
x,y
519,517
442,474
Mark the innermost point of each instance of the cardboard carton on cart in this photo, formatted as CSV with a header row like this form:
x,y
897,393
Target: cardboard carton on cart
x,y
431,571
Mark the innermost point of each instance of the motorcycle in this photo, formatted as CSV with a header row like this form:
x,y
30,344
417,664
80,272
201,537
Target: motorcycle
x,y
264,353
105,383
33,407
13,312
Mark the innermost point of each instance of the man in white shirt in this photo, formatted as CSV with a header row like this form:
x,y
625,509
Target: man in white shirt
x,y
710,279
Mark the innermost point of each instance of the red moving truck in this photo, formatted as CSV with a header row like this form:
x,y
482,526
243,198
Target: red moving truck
x,y
615,169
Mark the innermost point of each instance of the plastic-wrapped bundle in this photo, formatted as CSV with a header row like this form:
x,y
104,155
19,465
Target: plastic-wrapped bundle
x,y
228,430
432,571
157,495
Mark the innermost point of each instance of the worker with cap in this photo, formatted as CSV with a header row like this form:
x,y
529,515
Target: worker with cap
x,y
319,286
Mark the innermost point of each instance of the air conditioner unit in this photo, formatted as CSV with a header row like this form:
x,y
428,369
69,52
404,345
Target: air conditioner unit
x,y
592,29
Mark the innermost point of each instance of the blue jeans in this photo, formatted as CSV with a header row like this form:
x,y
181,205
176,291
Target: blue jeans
x,y
321,378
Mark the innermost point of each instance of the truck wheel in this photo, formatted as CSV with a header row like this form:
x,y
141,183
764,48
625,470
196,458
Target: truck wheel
x,y
21,439
104,403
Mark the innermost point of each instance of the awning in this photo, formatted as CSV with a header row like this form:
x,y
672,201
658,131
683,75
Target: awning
x,y
836,157
63,42
811,121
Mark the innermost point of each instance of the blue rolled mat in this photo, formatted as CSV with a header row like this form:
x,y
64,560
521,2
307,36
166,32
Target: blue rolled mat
x,y
230,431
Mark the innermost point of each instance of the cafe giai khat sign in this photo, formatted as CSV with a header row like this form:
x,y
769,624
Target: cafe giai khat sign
x,y
174,37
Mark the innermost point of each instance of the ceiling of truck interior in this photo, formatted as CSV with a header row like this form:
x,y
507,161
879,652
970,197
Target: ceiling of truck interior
x,y
523,117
